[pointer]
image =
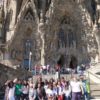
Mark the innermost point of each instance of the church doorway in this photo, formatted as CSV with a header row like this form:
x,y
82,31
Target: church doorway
x,y
61,61
73,62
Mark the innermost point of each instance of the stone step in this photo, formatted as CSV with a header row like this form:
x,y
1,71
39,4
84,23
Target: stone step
x,y
95,98
95,87
95,90
95,94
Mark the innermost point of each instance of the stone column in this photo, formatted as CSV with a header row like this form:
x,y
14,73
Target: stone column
x,y
42,6
12,16
13,6
41,31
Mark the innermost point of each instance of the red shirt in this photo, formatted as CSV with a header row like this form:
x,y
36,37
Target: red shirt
x,y
57,67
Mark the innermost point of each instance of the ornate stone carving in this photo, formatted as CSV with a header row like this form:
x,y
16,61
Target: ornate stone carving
x,y
42,6
98,14
44,19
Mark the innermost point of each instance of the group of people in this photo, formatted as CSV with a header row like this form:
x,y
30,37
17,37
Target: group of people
x,y
77,88
39,69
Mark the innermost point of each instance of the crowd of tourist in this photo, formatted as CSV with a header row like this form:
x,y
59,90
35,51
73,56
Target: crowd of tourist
x,y
77,88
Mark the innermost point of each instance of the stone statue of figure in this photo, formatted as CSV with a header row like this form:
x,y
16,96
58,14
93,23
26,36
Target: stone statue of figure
x,y
42,7
97,12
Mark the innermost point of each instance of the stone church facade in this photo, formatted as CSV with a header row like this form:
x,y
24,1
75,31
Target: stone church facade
x,y
53,31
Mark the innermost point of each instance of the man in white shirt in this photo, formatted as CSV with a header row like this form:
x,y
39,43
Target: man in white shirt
x,y
76,88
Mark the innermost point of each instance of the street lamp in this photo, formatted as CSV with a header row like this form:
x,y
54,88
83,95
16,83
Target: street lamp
x,y
30,55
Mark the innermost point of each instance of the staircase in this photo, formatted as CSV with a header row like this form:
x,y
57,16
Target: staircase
x,y
95,90
94,81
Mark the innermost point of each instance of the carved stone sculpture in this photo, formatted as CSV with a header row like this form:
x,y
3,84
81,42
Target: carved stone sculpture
x,y
42,6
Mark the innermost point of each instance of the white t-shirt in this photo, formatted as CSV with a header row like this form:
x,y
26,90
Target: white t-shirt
x,y
31,92
55,91
25,90
44,67
11,93
75,86
60,90
67,92
49,92
45,87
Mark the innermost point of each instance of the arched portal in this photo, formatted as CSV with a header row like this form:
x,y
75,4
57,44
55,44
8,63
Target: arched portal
x,y
73,62
61,61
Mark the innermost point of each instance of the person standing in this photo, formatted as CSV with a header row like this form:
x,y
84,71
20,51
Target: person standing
x,y
18,90
76,88
6,89
57,71
11,92
86,88
25,90
31,91
67,91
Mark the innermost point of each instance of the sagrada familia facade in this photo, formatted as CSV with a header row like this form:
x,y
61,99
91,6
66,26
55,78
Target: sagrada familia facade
x,y
51,31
